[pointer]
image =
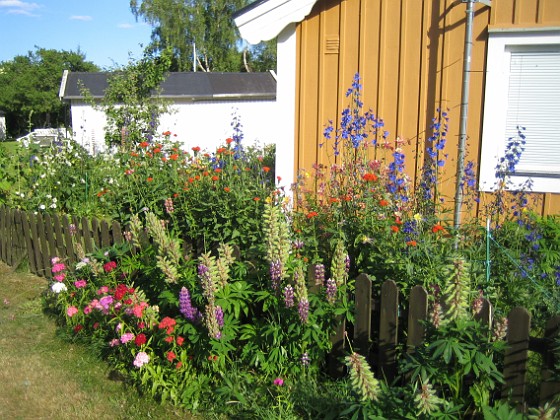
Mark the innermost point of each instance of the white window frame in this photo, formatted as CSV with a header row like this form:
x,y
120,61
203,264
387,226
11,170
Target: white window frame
x,y
500,44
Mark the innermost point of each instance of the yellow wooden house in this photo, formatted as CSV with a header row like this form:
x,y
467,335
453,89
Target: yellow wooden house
x,y
492,65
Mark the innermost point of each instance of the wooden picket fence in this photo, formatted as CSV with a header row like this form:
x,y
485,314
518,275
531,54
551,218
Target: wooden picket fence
x,y
377,328
39,238
377,332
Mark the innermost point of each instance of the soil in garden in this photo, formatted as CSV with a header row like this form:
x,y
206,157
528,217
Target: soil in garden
x,y
44,377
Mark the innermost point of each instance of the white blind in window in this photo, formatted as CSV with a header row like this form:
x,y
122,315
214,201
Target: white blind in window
x,y
534,103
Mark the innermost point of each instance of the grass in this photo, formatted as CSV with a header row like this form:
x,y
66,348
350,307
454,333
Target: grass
x,y
44,377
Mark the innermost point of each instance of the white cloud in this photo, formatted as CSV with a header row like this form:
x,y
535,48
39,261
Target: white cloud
x,y
82,18
124,25
18,7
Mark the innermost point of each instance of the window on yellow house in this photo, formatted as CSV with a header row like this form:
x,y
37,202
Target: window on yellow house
x,y
523,93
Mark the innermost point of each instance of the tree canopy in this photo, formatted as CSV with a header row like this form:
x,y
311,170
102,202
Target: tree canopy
x,y
29,86
204,26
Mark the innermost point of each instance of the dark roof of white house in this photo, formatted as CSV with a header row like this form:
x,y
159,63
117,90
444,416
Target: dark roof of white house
x,y
182,85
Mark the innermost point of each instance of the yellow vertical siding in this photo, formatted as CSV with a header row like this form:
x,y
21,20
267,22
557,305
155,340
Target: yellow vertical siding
x,y
409,54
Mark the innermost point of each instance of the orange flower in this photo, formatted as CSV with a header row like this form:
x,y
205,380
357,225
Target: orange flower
x,y
179,365
196,149
256,198
312,214
157,150
164,159
150,179
437,228
266,169
398,220
347,197
221,150
175,195
215,178
369,177
144,144
191,180
133,154
395,228
226,189
174,156
333,200
411,243
383,203
205,173
167,133
218,170
229,140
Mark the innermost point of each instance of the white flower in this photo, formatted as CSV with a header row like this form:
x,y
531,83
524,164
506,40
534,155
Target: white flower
x,y
58,287
54,200
80,265
53,206
42,207
49,196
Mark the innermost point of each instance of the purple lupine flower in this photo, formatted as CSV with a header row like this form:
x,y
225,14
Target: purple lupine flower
x,y
347,262
319,274
206,280
289,296
275,274
331,291
303,310
219,316
185,306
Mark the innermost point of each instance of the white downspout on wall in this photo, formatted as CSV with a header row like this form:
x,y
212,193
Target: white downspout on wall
x,y
286,105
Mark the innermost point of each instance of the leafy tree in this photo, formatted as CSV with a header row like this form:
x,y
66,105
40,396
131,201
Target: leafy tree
x,y
29,87
207,25
130,102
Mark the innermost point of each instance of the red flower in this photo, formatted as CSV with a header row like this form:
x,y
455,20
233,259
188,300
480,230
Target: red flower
x,y
196,149
164,159
140,339
169,338
227,189
437,228
215,178
218,170
256,198
171,356
312,214
266,169
157,150
411,243
179,365
167,133
383,203
120,291
110,266
369,177
167,323
395,228
78,328
229,140
221,150
144,144
150,179
180,341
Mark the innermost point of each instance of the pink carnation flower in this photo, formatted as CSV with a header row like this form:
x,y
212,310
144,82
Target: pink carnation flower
x,y
60,277
58,267
126,337
80,284
141,359
71,311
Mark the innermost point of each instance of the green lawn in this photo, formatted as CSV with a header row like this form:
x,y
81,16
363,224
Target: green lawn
x,y
44,377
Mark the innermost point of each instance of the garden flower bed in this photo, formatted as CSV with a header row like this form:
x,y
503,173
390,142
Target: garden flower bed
x,y
228,290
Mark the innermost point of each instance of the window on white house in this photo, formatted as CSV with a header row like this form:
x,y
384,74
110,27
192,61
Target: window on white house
x,y
523,90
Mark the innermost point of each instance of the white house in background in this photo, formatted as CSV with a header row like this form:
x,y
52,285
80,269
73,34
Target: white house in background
x,y
202,107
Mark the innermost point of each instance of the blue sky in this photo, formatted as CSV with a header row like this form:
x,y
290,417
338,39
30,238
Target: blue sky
x,y
105,30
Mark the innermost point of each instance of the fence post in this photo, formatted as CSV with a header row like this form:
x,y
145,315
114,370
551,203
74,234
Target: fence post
x,y
388,329
516,356
549,388
362,323
417,314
